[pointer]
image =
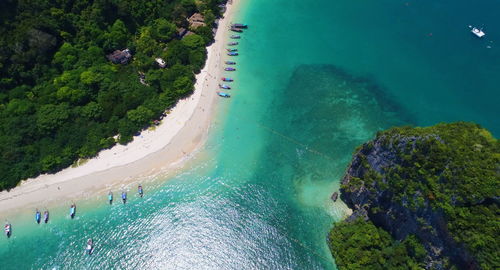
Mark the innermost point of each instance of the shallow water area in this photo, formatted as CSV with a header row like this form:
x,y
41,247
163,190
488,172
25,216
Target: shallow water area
x,y
314,80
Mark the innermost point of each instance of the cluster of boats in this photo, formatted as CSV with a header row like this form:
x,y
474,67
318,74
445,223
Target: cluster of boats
x,y
72,212
140,191
236,27
38,216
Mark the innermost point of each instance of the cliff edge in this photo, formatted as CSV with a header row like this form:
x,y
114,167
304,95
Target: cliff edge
x,y
422,198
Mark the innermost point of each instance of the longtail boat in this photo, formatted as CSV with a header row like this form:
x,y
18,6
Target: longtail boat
x,y
224,95
239,25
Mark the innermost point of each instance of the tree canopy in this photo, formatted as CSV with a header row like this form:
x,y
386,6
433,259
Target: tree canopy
x,y
60,97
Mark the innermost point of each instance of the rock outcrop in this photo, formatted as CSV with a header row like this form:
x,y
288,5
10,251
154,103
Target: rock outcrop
x,y
381,186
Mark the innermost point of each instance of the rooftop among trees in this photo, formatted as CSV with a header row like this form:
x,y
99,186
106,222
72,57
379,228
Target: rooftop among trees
x,y
60,97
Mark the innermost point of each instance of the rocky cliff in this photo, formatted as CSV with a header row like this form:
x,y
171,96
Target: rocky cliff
x,y
439,185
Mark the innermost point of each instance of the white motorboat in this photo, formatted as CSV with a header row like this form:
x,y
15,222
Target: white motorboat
x,y
476,31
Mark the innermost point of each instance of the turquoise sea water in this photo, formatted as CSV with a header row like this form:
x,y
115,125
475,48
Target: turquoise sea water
x,y
315,79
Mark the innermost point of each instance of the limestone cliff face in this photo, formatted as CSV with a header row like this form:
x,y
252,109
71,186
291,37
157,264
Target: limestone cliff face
x,y
366,190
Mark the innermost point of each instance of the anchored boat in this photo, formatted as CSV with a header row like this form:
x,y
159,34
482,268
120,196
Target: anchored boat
x,y
124,197
72,211
224,86
229,69
232,49
90,246
230,63
235,36
232,53
234,29
8,229
232,43
141,192
239,25
476,31
224,95
38,216
226,79
46,216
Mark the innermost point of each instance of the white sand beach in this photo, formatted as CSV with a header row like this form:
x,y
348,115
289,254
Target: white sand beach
x,y
183,131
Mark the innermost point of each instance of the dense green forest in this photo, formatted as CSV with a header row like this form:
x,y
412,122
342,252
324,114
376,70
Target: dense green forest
x,y
422,198
61,99
361,245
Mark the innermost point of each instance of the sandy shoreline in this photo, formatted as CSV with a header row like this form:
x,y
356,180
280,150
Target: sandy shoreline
x,y
167,147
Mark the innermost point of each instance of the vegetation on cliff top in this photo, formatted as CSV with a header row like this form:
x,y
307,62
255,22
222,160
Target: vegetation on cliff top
x,y
452,168
61,99
361,245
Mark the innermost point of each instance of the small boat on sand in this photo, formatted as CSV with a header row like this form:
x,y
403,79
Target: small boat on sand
x,y
239,25
90,246
72,211
226,79
232,43
46,216
229,69
224,86
235,36
110,197
232,53
38,216
224,95
232,49
230,63
234,29
8,229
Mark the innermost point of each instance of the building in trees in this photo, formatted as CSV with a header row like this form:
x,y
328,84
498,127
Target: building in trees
x,y
181,32
120,57
196,20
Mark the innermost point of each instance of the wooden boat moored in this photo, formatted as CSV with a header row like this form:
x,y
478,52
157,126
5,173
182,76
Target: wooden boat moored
x,y
224,95
229,69
232,53
239,25
225,86
226,79
90,246
230,63
8,229
232,43
235,36
46,216
72,211
38,216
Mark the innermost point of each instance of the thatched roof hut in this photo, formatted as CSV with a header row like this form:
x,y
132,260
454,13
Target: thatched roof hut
x,y
196,20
